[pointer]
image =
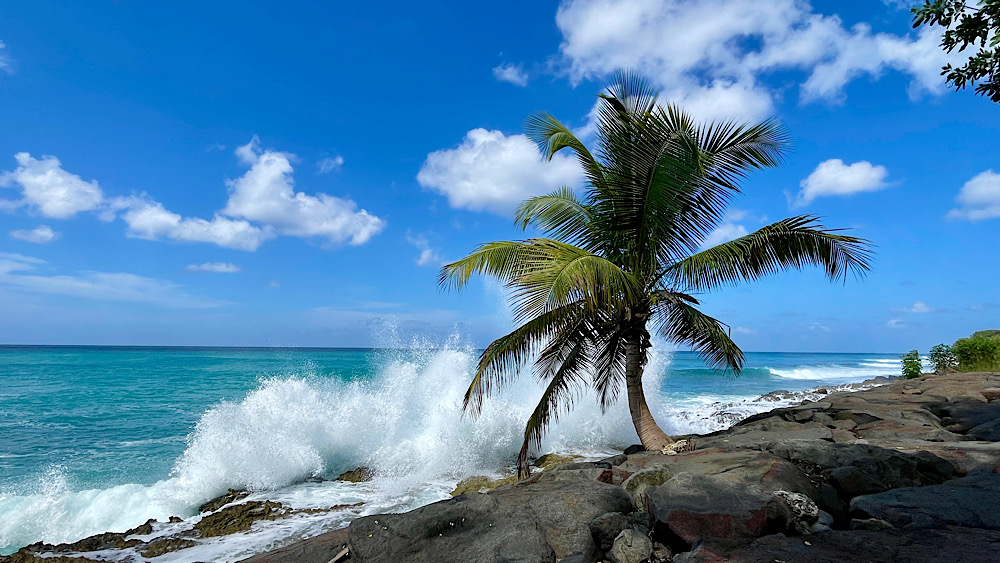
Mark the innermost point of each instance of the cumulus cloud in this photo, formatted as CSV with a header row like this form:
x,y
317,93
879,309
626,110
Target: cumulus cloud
x,y
428,256
214,267
148,219
19,272
896,323
511,73
262,205
706,52
724,233
41,234
979,198
266,194
494,172
834,178
4,59
918,307
50,191
329,164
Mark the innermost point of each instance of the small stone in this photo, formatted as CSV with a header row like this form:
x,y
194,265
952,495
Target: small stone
x,y
991,393
630,547
634,449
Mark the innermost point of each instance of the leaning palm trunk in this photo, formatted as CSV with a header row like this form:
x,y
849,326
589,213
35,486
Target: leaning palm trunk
x,y
650,435
626,257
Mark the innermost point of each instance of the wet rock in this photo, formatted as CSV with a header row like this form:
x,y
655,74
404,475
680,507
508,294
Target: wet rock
x,y
175,519
970,502
231,496
606,527
142,529
529,522
550,461
630,547
160,547
634,449
23,556
480,484
359,475
238,518
317,549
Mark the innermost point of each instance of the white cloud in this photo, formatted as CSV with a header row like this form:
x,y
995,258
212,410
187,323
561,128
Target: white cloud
x,y
724,233
19,272
705,52
494,172
265,194
428,256
834,178
41,234
509,72
979,198
743,330
918,307
4,59
148,219
329,164
818,327
49,190
896,323
215,267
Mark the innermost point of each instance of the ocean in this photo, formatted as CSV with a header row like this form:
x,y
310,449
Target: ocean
x,y
96,439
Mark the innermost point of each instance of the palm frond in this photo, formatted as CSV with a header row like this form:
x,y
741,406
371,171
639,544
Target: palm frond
x,y
791,243
560,214
501,362
551,136
502,260
679,321
609,365
565,360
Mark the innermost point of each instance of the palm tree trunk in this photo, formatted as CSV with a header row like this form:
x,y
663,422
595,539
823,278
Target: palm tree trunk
x,y
650,435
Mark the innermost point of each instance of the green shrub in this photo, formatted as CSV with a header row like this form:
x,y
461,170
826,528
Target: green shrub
x,y
987,333
912,368
977,353
942,358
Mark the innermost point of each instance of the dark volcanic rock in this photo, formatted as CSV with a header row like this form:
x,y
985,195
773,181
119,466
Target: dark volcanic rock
x,y
530,522
970,502
947,545
318,549
232,495
606,527
359,475
691,507
238,518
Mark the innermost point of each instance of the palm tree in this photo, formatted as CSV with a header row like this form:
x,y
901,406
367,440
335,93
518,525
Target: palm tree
x,y
629,254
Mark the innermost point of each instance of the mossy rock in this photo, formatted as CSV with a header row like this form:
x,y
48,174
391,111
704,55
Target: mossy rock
x,y
550,461
359,475
481,483
166,545
232,496
238,518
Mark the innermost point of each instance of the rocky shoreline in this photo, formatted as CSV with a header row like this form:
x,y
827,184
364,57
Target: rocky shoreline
x,y
906,471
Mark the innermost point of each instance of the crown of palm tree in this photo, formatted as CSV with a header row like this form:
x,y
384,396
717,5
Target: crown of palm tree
x,y
628,252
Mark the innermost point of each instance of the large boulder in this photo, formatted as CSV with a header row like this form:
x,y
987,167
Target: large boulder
x,y
690,507
317,549
539,521
970,502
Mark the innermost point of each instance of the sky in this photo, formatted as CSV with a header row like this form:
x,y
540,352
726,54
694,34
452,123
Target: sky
x,y
295,174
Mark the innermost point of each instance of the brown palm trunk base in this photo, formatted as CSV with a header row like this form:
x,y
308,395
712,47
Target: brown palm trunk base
x,y
650,435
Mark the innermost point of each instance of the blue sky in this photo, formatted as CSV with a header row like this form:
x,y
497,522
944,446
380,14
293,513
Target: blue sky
x,y
294,174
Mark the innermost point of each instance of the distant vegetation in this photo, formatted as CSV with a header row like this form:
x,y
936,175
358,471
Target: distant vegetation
x,y
979,352
943,358
912,367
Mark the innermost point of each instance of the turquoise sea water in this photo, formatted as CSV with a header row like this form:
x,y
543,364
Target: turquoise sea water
x,y
101,438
